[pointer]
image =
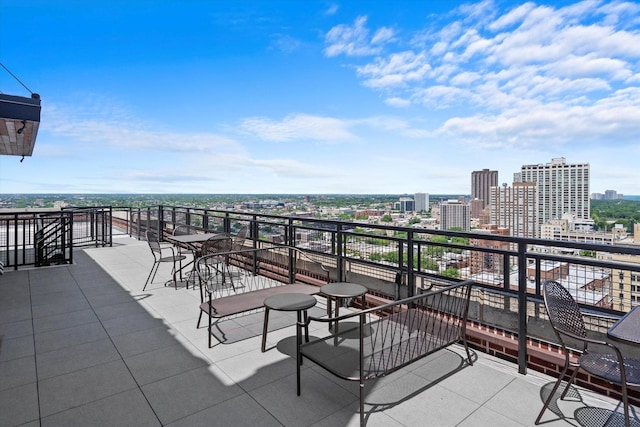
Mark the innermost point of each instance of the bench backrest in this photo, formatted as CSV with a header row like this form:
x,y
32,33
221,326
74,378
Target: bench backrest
x,y
260,268
380,340
412,328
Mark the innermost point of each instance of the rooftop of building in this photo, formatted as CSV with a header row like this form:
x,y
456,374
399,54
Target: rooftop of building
x,y
81,344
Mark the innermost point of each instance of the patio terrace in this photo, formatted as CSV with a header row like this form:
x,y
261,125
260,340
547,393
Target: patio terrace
x,y
80,344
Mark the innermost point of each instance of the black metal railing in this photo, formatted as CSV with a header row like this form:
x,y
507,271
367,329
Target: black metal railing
x,y
52,241
47,237
508,271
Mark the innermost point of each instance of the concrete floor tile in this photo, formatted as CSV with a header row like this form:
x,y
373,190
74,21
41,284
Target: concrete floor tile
x,y
239,411
163,363
132,410
17,372
187,393
77,388
19,405
64,320
75,358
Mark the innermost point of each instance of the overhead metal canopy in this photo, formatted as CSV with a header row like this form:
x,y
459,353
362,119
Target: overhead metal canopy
x,y
19,122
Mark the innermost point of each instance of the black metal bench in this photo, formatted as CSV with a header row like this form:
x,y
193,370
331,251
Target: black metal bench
x,y
391,336
256,275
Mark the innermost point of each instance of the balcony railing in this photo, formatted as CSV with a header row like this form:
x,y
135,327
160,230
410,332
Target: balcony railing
x,y
509,271
399,261
47,237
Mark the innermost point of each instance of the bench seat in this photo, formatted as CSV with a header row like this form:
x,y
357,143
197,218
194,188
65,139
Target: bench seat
x,y
247,301
378,341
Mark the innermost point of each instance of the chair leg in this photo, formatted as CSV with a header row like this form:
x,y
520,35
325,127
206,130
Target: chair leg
x,y
466,347
553,392
199,319
153,271
210,313
173,273
571,379
625,403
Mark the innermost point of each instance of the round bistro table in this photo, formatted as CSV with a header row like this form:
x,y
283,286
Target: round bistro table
x,y
341,290
297,302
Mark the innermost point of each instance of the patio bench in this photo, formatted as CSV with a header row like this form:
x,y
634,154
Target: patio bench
x,y
389,337
258,274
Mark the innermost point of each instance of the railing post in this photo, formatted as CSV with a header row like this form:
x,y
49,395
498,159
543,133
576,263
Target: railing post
x,y
339,246
254,230
410,266
289,233
506,271
226,223
522,308
161,222
70,239
205,220
110,227
15,242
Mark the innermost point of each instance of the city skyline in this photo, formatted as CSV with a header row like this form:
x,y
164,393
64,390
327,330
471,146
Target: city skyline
x,y
320,97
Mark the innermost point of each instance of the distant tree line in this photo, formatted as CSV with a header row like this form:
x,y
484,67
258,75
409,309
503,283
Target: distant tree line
x,y
607,212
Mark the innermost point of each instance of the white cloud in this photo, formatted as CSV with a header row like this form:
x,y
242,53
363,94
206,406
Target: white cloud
x,y
541,73
126,133
290,168
354,40
299,127
397,102
511,18
397,69
332,10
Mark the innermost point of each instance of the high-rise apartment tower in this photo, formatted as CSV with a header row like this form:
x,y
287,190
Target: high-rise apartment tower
x,y
421,202
562,188
481,183
455,214
515,208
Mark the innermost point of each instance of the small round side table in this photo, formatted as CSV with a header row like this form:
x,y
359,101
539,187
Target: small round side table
x,y
338,291
297,302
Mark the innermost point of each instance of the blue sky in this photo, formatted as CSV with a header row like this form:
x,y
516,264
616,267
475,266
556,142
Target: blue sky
x,y
319,96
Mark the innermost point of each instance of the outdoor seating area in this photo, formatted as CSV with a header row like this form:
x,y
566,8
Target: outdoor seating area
x,y
83,344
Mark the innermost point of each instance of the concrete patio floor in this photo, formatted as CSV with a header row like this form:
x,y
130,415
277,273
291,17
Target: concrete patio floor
x,y
83,345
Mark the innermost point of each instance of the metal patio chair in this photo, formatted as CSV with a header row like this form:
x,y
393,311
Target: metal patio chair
x,y
160,254
185,230
219,244
238,240
568,323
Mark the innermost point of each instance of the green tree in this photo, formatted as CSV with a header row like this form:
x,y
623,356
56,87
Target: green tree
x,y
375,256
452,273
387,218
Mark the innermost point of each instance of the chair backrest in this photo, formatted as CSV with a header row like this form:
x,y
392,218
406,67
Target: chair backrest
x,y
154,242
563,310
215,244
183,230
238,239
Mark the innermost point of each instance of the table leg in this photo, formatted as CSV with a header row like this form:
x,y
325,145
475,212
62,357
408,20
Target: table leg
x,y
299,337
264,329
306,326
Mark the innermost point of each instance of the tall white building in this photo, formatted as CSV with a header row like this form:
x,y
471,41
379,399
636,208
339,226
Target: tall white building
x,y
421,202
562,188
455,214
515,208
